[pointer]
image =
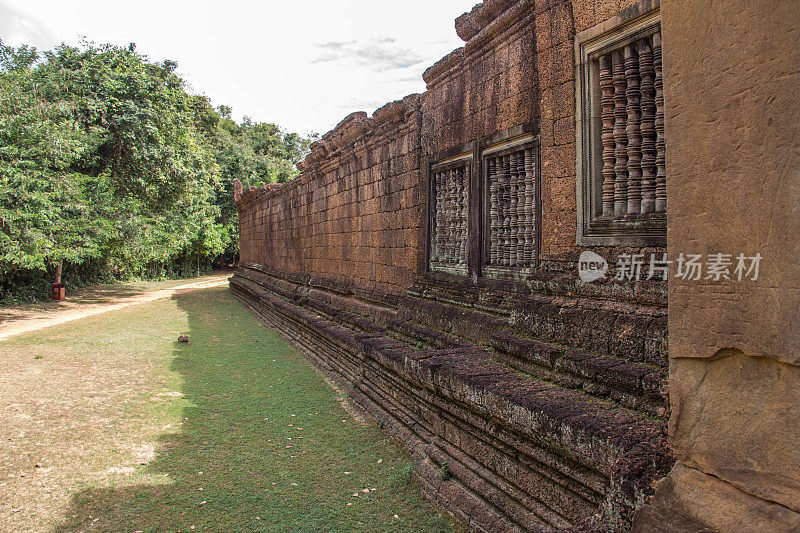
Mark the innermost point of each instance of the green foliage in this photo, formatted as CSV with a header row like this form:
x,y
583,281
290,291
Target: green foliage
x,y
106,159
254,153
444,471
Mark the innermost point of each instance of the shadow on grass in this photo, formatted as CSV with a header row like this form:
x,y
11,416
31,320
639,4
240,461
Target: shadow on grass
x,y
264,446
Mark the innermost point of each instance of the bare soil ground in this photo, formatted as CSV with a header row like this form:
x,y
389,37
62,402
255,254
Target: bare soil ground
x,y
95,300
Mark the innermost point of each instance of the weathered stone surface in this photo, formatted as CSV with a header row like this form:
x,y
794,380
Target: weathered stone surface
x,y
690,501
741,193
732,123
520,453
354,213
541,395
736,417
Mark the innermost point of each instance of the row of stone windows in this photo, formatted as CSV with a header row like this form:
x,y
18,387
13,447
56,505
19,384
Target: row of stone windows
x,y
621,172
508,196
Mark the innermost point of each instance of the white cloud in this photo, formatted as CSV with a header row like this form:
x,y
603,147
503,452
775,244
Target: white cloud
x,y
377,54
18,28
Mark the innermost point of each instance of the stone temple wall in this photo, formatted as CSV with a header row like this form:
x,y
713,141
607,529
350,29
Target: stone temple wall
x,y
353,215
529,399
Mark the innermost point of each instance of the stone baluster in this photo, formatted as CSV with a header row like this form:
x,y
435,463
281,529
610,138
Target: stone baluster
x,y
633,129
456,214
447,218
648,91
521,213
457,177
494,218
441,226
513,230
462,221
530,217
607,136
453,216
661,169
620,135
507,220
502,186
434,210
465,214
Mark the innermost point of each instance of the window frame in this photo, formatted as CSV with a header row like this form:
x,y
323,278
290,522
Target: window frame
x,y
650,230
464,159
497,150
514,139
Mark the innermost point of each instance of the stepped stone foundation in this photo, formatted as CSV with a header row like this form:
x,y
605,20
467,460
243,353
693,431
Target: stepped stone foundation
x,y
426,261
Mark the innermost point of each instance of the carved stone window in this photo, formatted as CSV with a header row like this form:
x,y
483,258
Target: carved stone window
x,y
449,216
511,236
622,185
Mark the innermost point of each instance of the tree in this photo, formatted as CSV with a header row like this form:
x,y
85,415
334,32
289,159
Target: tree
x,y
107,160
49,212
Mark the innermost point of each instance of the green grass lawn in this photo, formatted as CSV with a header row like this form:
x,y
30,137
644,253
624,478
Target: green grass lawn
x,y
234,431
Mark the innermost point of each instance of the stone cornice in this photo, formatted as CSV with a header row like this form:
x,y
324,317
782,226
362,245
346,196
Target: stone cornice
x,y
486,22
483,15
356,129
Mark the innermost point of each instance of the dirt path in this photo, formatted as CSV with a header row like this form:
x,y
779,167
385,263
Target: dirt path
x,y
23,319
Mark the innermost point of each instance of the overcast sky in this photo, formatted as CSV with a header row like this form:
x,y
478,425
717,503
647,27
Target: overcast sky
x,y
302,64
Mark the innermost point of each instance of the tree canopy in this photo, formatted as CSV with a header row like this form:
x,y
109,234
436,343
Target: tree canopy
x,y
109,163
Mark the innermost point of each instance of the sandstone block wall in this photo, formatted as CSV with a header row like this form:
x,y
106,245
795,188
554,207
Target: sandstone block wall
x,y
353,215
357,214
